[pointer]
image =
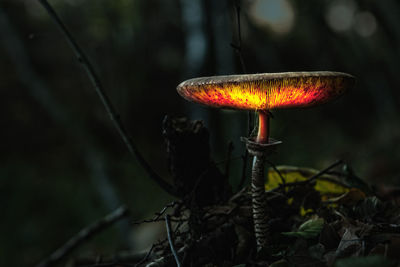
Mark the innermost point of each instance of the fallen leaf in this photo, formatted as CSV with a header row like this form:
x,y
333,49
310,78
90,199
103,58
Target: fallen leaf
x,y
351,197
309,229
350,244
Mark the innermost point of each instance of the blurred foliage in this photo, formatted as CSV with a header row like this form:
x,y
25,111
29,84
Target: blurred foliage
x,y
142,50
365,261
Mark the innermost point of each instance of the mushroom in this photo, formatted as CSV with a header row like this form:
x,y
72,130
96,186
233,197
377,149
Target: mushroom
x,y
262,93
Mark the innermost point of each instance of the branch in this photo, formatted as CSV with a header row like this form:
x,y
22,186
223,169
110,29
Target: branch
x,y
157,215
111,264
118,259
115,117
311,179
238,49
41,93
84,235
165,261
146,257
171,241
276,170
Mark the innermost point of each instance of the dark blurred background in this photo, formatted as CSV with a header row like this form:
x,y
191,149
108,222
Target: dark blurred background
x,y
63,164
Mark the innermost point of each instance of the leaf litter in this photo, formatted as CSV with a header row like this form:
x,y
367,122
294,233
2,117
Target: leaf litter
x,y
336,219
333,220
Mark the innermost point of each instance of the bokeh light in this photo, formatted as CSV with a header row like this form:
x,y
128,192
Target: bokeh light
x,y
365,23
340,15
277,15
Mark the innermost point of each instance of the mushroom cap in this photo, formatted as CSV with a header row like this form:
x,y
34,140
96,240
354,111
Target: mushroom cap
x,y
266,91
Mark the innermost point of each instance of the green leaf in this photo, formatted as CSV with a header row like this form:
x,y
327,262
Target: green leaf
x,y
309,229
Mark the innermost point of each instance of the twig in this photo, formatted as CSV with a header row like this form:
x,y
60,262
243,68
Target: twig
x,y
159,220
171,241
238,46
312,178
277,171
158,215
120,258
146,257
84,235
170,205
165,261
38,89
115,117
110,264
322,172
238,49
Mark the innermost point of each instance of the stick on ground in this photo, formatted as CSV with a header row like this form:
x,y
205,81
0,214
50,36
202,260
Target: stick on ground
x,y
84,235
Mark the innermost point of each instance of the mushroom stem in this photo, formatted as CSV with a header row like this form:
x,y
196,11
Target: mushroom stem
x,y
260,216
263,127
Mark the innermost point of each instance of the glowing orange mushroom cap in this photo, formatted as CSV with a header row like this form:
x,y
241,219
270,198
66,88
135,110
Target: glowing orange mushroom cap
x,y
266,90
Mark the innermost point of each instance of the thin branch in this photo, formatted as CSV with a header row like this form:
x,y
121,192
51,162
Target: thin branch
x,y
42,94
170,205
327,169
171,241
312,178
238,49
38,90
277,171
174,219
165,261
118,259
146,257
238,46
158,215
84,235
115,117
110,264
